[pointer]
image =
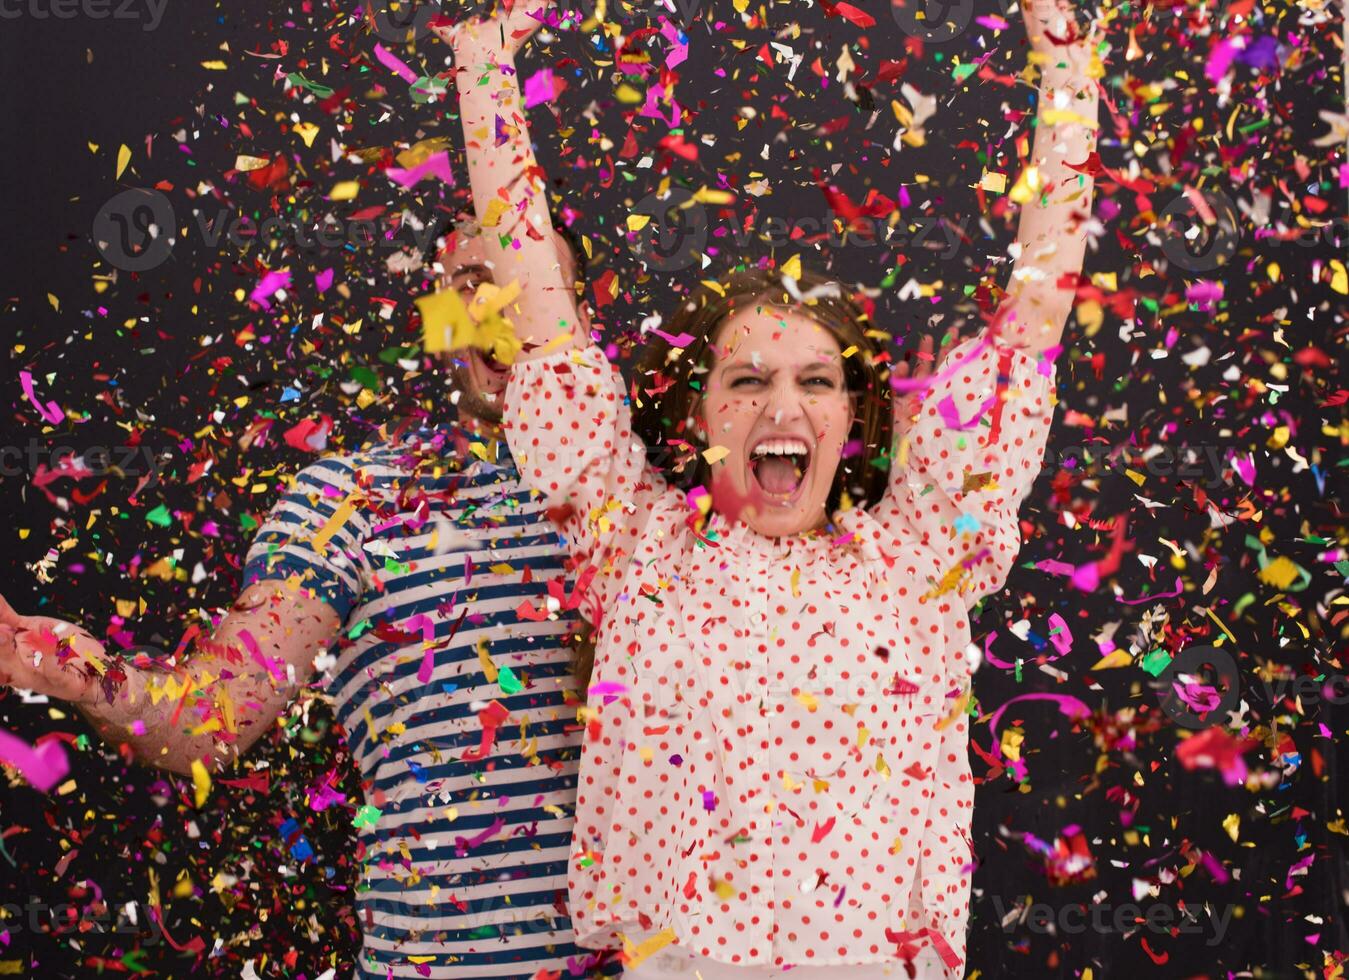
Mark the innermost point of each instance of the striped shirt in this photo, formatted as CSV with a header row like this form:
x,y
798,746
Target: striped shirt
x,y
452,680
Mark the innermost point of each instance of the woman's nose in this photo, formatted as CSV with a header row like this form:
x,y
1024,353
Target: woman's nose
x,y
785,402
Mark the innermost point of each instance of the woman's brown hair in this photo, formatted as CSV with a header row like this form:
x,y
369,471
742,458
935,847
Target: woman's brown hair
x,y
668,387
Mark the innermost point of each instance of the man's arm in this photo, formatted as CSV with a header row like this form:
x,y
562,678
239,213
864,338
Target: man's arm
x,y
211,707
1051,240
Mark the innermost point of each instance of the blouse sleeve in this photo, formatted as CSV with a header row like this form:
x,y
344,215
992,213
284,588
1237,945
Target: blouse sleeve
x,y
973,453
570,430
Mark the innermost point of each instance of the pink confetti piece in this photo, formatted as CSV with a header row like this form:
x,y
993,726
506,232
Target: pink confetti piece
x,y
428,628
951,416
1156,596
391,61
42,765
683,340
271,664
436,165
51,412
540,88
269,286
324,281
1245,467
607,687
1061,636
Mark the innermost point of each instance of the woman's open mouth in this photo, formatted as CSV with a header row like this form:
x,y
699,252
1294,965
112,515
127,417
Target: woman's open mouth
x,y
779,466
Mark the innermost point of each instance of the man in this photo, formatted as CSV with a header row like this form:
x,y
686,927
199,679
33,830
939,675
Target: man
x,y
440,581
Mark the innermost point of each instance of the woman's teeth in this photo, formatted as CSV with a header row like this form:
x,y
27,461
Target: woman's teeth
x,y
780,447
779,464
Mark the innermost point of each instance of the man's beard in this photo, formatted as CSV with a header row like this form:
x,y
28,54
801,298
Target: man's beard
x,y
473,402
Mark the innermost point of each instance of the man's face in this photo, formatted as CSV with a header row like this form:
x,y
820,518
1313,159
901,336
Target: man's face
x,y
481,378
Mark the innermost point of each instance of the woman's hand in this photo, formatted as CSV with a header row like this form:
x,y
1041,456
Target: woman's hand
x,y
47,655
1056,34
916,366
503,33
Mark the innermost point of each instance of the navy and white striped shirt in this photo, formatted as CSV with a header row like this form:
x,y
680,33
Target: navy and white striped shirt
x,y
435,539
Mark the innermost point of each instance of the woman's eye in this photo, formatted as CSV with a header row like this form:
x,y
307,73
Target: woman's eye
x,y
827,383
746,381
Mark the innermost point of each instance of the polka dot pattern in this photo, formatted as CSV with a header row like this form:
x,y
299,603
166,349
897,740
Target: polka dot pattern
x,y
775,764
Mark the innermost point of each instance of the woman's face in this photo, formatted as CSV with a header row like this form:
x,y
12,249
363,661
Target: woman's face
x,y
776,400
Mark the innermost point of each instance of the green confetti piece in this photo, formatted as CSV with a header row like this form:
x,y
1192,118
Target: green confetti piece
x,y
509,682
160,516
1156,662
298,80
962,72
365,817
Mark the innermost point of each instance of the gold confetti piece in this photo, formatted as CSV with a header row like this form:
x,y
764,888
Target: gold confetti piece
x,y
796,583
501,568
715,454
1115,658
633,955
807,699
1011,744
1280,573
792,267
344,510
994,182
1232,824
306,131
636,222
247,164
345,190
201,783
214,65
489,669
881,767
123,158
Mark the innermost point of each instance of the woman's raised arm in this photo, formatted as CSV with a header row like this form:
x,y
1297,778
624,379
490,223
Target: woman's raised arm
x,y
509,194
1055,196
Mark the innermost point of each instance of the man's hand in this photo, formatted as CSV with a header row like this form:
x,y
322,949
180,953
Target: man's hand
x,y
49,656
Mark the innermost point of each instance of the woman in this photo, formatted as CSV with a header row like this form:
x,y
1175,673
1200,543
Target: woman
x,y
775,770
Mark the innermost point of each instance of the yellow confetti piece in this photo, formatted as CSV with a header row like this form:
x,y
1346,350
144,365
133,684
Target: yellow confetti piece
x,y
796,582
1339,281
501,568
123,158
636,222
1232,824
345,190
881,767
201,783
723,889
792,267
1279,573
489,669
1115,658
706,195
633,955
344,511
806,699
496,207
1027,186
307,132
247,164
994,182
715,454
214,65
1054,116
1011,744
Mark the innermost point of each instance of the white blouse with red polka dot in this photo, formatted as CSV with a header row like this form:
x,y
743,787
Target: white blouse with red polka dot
x,y
775,767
